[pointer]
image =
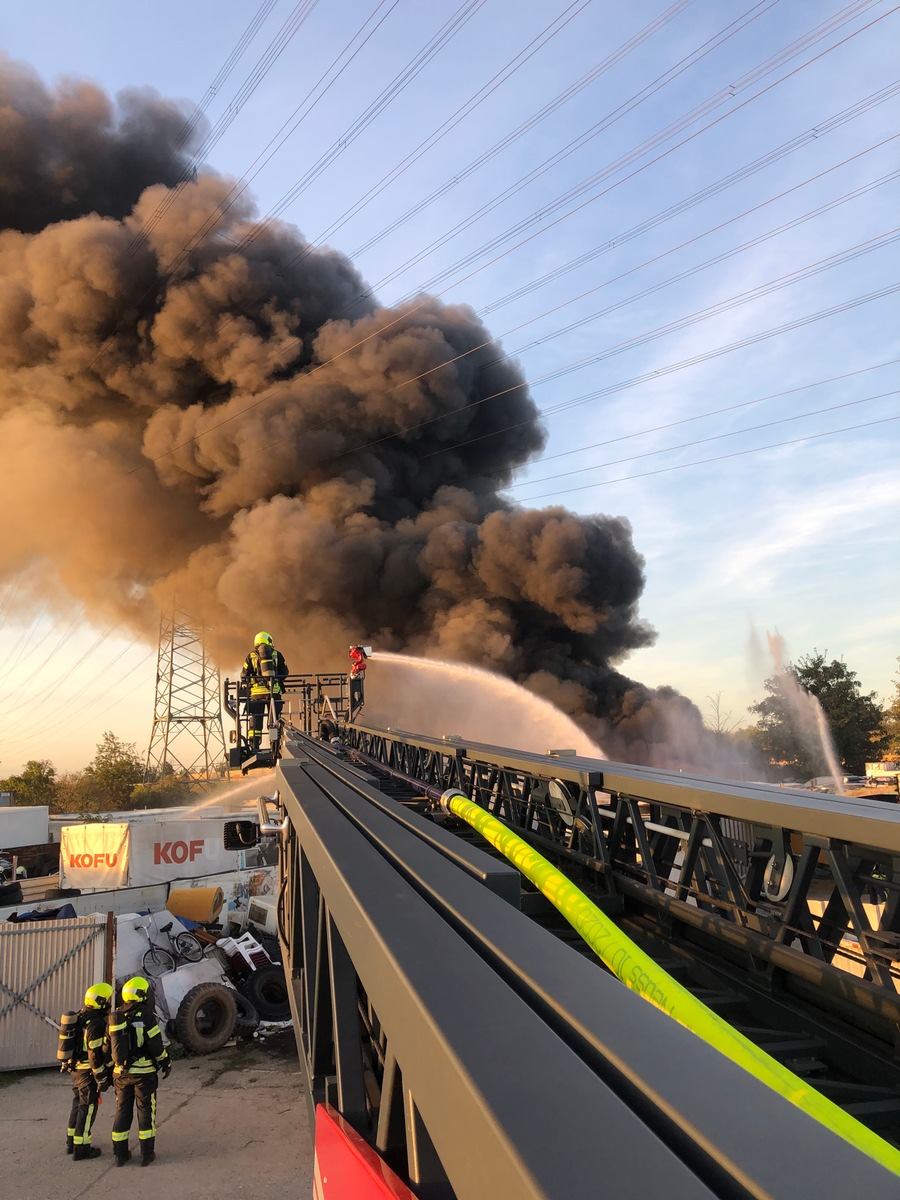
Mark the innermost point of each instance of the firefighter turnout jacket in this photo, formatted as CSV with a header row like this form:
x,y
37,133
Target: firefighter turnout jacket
x,y
264,670
86,1047
84,1052
136,1043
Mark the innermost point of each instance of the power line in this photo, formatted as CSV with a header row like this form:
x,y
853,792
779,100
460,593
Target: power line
x,y
572,194
716,412
390,93
716,437
753,339
551,163
294,121
717,458
465,110
854,194
847,114
266,61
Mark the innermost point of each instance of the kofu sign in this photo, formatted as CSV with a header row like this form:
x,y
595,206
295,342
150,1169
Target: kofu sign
x,y
93,860
138,853
177,852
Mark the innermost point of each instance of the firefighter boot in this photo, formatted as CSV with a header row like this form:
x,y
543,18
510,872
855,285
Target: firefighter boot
x,y
122,1153
70,1145
83,1152
148,1152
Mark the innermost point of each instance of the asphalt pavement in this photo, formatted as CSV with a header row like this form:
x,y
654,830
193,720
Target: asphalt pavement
x,y
231,1124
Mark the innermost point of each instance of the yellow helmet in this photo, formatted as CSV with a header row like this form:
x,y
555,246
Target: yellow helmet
x,y
135,989
98,996
263,638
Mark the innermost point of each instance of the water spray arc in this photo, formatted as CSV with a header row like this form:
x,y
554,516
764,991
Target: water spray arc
x,y
471,698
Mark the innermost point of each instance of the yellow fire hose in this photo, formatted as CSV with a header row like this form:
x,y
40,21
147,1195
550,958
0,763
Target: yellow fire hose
x,y
642,975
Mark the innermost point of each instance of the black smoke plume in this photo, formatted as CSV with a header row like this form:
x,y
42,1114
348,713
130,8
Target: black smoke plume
x,y
252,431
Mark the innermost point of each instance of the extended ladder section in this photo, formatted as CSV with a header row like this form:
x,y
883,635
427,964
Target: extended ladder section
x,y
475,1052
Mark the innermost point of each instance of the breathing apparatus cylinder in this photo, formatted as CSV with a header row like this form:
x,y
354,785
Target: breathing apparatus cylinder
x,y
120,1038
68,1037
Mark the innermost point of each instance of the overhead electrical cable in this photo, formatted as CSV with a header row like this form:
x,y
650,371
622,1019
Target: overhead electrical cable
x,y
23,637
550,164
715,412
87,704
268,392
264,64
846,197
388,95
715,437
727,181
688,272
673,326
240,186
647,377
575,193
717,458
465,110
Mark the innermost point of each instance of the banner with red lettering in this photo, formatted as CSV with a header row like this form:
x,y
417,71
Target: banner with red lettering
x,y
93,857
166,850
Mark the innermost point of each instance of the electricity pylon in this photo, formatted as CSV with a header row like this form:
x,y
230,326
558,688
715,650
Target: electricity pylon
x,y
187,737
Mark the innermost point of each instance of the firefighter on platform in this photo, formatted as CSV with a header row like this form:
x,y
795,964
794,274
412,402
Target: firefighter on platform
x,y
264,672
358,659
84,1053
358,666
139,1056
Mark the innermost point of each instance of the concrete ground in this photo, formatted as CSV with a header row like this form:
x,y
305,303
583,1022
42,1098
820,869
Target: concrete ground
x,y
229,1124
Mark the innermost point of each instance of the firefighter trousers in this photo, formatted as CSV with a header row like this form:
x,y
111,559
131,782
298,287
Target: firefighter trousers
x,y
131,1088
85,1101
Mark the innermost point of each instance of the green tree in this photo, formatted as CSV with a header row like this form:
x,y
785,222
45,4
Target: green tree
x,y
110,778
891,748
36,783
786,731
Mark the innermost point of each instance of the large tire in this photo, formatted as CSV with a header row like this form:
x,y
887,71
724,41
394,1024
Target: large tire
x,y
267,990
247,1016
206,1018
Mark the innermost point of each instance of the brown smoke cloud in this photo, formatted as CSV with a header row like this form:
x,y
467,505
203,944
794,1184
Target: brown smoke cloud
x,y
240,430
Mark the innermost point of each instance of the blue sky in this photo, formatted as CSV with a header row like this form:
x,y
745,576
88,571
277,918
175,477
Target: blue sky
x,y
760,479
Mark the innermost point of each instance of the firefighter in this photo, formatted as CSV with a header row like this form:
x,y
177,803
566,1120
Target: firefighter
x,y
139,1056
264,672
84,1053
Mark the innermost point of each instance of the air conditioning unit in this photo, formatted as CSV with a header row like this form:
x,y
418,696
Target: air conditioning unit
x,y
262,913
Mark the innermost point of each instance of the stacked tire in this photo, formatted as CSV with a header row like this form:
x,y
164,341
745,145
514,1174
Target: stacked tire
x,y
266,990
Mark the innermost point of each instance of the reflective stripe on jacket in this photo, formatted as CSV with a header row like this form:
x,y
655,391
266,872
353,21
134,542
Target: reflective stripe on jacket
x,y
148,1051
93,1052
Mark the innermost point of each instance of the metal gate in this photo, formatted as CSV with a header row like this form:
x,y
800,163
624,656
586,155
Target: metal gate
x,y
45,969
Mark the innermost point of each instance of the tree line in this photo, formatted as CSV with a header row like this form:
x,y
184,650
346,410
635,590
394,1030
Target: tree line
x,y
113,781
862,730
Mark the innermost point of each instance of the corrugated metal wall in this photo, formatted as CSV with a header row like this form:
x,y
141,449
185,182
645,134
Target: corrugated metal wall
x,y
45,969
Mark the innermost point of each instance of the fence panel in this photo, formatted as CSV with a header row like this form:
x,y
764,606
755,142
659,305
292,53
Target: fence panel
x,y
45,969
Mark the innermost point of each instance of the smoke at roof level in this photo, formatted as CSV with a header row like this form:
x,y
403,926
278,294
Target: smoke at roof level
x,y
240,431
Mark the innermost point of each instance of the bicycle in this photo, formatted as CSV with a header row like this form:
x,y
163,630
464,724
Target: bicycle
x,y
158,960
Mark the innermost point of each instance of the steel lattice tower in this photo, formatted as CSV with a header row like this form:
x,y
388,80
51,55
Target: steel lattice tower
x,y
187,734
